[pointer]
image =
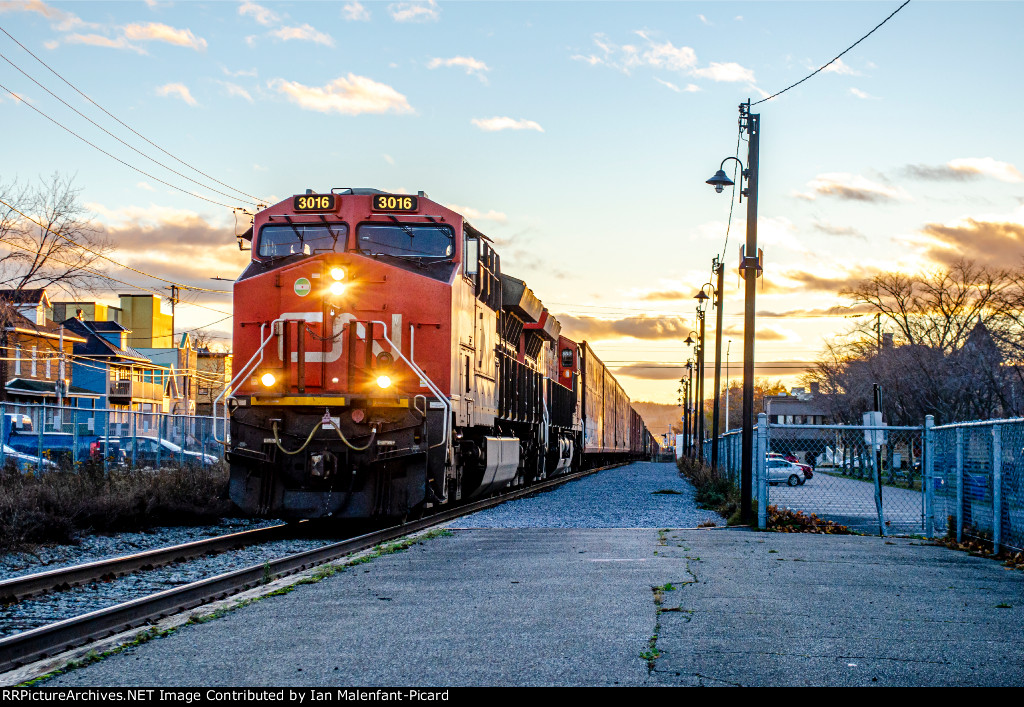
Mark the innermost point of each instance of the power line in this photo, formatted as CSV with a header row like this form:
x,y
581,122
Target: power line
x,y
109,259
256,199
130,147
105,276
22,101
834,59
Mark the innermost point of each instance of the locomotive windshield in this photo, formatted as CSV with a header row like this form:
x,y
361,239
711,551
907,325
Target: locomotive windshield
x,y
301,238
410,240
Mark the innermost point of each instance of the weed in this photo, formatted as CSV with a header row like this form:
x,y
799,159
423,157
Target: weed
x,y
1004,606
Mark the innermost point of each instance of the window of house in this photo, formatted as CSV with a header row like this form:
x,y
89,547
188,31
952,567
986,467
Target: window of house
x,y
35,361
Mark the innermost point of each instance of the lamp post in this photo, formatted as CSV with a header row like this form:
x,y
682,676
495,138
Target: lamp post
x,y
690,341
716,291
750,266
689,417
702,299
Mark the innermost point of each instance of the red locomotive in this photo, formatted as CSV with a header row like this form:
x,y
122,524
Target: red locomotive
x,y
390,366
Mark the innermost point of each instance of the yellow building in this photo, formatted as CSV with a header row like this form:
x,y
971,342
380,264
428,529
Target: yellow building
x,y
149,327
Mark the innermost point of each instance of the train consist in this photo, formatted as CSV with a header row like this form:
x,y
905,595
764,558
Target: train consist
x,y
391,366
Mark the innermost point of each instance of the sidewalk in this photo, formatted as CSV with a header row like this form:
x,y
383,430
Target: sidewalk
x,y
578,607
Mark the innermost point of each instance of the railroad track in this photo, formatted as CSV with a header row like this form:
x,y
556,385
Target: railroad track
x,y
17,589
45,641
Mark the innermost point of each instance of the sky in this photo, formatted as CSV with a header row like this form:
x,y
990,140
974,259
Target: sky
x,y
577,135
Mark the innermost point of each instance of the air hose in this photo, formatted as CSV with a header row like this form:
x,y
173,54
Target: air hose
x,y
325,421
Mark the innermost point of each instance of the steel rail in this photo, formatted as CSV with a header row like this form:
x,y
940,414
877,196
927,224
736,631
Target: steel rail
x,y
38,643
15,589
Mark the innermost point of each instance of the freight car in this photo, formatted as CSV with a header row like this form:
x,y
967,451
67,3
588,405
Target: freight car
x,y
391,366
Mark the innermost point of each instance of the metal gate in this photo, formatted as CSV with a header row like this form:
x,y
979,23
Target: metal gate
x,y
866,478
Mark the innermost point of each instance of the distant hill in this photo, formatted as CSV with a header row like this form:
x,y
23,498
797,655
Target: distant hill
x,y
659,417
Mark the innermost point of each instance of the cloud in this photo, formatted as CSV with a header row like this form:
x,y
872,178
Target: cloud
x,y
98,40
666,296
994,243
351,95
157,32
655,370
477,215
640,327
473,67
415,11
305,33
262,15
839,67
705,20
180,90
762,333
862,95
59,19
966,168
355,12
852,187
819,280
491,125
663,56
729,71
235,90
833,230
690,88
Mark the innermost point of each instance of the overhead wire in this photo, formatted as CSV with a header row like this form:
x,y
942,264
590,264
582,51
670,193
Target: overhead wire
x,y
256,199
105,276
109,259
22,101
130,147
834,59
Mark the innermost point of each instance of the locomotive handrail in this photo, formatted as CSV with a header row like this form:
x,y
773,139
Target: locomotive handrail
x,y
242,372
430,384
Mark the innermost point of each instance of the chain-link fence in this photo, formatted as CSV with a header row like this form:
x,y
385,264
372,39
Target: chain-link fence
x,y
49,437
866,478
977,475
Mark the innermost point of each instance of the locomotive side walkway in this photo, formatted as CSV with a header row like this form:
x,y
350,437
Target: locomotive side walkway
x,y
594,606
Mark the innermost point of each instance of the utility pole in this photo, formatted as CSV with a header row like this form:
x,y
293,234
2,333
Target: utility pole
x,y
750,266
700,385
718,268
728,346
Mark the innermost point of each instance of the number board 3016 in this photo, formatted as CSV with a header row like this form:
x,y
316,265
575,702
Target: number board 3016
x,y
394,202
315,202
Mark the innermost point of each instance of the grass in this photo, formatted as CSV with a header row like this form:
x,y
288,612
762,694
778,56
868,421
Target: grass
x,y
714,491
852,475
59,506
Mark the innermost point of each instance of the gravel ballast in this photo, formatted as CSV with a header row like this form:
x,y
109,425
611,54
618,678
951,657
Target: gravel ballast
x,y
638,495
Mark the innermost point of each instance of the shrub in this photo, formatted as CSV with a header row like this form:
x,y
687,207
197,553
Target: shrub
x,y
56,506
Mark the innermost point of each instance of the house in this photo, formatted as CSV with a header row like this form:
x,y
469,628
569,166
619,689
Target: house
x,y
125,379
35,369
213,377
181,365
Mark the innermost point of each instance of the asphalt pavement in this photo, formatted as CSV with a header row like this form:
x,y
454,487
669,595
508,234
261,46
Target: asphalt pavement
x,y
510,606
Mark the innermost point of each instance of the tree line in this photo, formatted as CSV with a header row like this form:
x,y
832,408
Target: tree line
x,y
947,342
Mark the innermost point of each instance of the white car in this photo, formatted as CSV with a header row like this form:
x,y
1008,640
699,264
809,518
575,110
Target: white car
x,y
25,462
781,471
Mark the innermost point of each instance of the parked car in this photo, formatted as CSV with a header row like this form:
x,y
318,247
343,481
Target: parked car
x,y
25,462
806,468
782,471
148,450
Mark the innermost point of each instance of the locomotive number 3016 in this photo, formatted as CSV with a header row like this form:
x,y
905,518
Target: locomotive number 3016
x,y
314,202
390,202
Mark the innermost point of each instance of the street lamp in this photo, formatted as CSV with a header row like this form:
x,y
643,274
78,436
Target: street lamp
x,y
702,300
717,292
750,266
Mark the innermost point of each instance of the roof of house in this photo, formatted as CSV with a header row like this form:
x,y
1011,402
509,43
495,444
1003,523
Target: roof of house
x,y
96,345
20,323
22,296
46,388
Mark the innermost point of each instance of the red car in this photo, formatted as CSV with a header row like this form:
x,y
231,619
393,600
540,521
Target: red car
x,y
808,472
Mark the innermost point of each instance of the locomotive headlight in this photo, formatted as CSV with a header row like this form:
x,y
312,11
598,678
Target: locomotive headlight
x,y
384,381
338,274
338,288
268,379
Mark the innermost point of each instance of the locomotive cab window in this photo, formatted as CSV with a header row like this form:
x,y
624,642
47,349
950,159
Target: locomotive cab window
x,y
567,358
408,240
301,239
471,256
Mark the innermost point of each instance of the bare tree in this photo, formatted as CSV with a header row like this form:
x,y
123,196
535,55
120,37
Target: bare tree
x,y
952,332
46,237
